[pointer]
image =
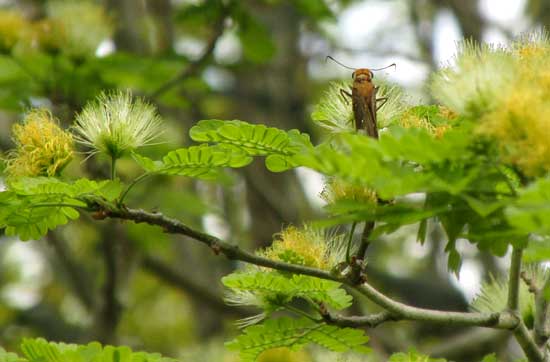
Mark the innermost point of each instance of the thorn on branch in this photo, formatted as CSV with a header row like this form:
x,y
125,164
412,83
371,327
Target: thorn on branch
x,y
100,215
216,249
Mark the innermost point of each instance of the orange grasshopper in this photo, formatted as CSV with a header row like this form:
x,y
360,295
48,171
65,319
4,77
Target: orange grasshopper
x,y
363,97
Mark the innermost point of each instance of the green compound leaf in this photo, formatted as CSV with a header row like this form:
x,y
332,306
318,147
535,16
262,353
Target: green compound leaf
x,y
9,356
403,161
531,212
280,287
537,250
203,162
295,334
40,350
255,140
32,206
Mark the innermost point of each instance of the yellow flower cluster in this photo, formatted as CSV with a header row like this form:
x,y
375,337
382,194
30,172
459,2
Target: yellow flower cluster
x,y
411,120
338,190
521,122
507,91
304,246
42,147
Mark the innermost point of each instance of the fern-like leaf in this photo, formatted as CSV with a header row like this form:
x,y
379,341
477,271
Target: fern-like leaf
x,y
32,206
9,356
294,334
203,162
40,350
256,140
279,287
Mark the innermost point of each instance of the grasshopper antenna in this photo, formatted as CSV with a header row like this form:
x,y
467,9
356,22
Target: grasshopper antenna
x,y
337,62
391,65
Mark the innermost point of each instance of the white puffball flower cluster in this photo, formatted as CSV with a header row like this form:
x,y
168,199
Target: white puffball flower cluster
x,y
473,85
116,123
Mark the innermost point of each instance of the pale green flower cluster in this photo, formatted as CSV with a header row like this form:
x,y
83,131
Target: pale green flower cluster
x,y
309,246
507,92
339,190
115,124
473,85
494,294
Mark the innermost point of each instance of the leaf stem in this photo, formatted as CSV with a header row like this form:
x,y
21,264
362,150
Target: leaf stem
x,y
300,312
131,185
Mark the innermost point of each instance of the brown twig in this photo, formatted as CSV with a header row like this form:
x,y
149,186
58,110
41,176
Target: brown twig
x,y
498,320
370,321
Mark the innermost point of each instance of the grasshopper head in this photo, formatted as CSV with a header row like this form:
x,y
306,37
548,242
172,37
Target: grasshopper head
x,y
362,75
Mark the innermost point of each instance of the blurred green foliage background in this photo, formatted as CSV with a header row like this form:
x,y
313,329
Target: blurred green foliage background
x,y
258,61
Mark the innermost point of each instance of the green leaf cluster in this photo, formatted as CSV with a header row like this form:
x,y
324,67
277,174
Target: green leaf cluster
x,y
295,334
279,289
40,350
32,206
274,291
456,178
531,211
9,356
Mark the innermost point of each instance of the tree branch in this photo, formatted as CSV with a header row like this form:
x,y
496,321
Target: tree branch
x,y
502,320
542,313
522,334
541,323
527,343
195,66
370,321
